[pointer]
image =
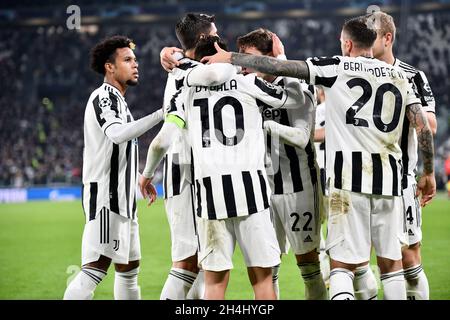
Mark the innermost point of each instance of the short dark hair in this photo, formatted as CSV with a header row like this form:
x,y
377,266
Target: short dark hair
x,y
360,33
260,38
205,46
191,27
105,51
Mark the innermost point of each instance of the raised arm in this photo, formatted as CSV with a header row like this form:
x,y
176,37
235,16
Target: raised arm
x,y
299,134
210,75
427,183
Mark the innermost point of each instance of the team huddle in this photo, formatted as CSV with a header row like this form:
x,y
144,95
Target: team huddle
x,y
238,140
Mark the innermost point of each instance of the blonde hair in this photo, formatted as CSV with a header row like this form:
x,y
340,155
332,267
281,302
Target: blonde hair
x,y
384,23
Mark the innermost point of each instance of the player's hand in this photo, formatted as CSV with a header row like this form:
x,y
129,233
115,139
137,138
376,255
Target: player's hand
x,y
427,188
220,56
277,46
148,190
168,62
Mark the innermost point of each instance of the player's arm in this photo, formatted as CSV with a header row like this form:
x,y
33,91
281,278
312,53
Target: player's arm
x,y
210,75
169,58
123,132
299,134
427,183
265,64
426,98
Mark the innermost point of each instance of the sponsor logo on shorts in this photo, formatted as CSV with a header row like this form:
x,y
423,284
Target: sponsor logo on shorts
x,y
307,239
410,232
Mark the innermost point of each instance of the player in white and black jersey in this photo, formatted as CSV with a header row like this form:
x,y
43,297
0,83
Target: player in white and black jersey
x,y
110,170
366,100
293,174
185,279
416,281
232,194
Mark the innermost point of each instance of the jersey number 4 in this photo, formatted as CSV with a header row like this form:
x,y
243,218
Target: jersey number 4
x,y
218,121
378,105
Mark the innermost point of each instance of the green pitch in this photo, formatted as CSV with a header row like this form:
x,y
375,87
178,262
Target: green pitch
x,y
40,251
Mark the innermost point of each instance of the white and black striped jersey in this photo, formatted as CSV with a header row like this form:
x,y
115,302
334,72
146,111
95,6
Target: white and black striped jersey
x,y
225,131
177,164
290,166
408,142
366,102
109,169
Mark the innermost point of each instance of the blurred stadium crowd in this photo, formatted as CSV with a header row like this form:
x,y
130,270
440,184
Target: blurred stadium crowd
x,y
47,81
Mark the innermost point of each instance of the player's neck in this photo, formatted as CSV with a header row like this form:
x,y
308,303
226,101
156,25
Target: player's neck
x,y
388,57
367,53
116,84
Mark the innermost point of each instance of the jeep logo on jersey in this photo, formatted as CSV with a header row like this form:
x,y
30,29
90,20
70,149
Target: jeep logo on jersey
x,y
269,113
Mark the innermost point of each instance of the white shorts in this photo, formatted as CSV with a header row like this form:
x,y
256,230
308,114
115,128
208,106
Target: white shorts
x,y
357,221
112,236
296,218
254,233
182,222
412,212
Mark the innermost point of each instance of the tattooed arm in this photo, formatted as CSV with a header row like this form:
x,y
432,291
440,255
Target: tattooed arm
x,y
288,68
427,183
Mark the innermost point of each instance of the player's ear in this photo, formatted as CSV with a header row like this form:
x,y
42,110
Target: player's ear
x,y
389,38
109,67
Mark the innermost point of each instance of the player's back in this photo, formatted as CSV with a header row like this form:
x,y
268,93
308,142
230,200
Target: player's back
x,y
366,102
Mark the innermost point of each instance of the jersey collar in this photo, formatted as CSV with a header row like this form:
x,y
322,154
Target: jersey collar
x,y
115,90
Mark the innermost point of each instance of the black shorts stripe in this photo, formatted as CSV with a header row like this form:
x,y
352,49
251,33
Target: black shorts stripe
x,y
93,189
192,189
228,194
325,81
166,163
136,159
128,177
199,198
114,180
176,174
338,164
209,198
262,182
356,171
249,192
377,176
393,164
269,89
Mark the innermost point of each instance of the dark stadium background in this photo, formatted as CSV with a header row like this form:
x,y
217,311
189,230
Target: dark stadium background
x,y
46,79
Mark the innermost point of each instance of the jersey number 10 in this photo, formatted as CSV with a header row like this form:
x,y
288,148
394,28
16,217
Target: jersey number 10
x,y
218,121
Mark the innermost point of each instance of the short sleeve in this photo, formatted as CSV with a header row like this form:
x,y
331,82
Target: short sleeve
x,y
323,71
412,95
106,107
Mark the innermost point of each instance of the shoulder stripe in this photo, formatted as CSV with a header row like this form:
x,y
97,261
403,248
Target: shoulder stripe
x,y
270,90
325,61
